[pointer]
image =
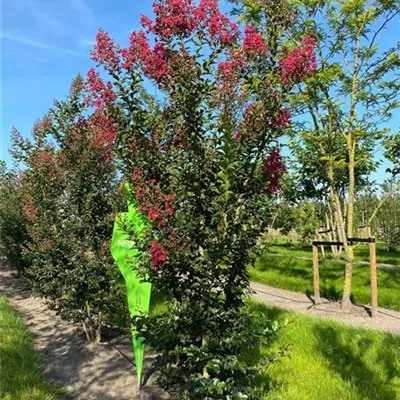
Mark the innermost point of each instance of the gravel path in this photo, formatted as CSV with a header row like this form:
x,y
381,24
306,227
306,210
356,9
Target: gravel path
x,y
386,320
103,373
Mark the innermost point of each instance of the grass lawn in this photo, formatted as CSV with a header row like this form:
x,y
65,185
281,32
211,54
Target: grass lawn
x,y
330,361
21,372
361,252
290,273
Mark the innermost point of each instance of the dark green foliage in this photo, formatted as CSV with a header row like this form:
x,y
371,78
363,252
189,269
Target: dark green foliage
x,y
13,222
70,189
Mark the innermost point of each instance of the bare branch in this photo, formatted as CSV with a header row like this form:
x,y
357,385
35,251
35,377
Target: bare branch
x,y
382,202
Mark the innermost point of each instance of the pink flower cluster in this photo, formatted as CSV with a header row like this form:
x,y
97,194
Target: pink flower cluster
x,y
218,25
106,52
103,130
229,73
100,94
152,202
229,68
152,61
283,118
253,42
182,18
158,254
173,17
257,119
272,170
300,63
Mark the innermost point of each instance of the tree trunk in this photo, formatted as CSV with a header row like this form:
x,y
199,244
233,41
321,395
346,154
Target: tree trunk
x,y
348,274
350,230
98,329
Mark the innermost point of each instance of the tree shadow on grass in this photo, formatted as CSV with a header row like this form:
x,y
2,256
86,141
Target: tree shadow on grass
x,y
285,266
347,352
255,354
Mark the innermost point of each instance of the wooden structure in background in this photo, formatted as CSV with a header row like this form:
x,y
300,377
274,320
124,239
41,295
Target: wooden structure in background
x,y
372,263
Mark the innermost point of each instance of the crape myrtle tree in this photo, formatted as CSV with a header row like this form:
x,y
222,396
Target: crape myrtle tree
x,y
203,160
348,101
13,221
69,194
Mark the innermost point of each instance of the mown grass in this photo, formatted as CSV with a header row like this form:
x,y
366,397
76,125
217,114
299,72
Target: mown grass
x,y
21,371
361,252
330,361
325,360
288,272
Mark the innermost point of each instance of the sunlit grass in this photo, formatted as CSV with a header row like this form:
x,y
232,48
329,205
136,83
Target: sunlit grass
x,y
295,274
361,252
330,361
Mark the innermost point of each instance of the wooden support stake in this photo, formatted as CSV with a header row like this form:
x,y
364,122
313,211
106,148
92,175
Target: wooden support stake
x,y
316,275
374,282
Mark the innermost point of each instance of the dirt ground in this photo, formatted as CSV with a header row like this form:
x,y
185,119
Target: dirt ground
x,y
358,316
102,373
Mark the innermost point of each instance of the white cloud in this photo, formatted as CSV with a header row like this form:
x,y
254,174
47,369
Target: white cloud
x,y
88,42
44,19
75,53
25,40
42,60
84,10
40,45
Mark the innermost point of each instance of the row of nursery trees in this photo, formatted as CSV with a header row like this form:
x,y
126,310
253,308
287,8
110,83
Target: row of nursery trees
x,y
299,219
204,158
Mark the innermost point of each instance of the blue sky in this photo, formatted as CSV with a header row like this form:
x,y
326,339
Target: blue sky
x,y
45,43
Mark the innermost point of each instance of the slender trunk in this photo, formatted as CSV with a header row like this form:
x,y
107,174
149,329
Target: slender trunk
x,y
320,238
351,145
348,274
330,226
98,329
204,344
85,329
343,238
268,235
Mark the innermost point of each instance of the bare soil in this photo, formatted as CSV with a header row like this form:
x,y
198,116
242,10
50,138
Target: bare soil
x,y
358,315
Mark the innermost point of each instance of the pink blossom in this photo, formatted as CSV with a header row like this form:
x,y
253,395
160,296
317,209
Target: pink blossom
x,y
219,26
283,118
103,130
158,254
272,170
253,41
105,51
152,61
173,17
300,63
100,94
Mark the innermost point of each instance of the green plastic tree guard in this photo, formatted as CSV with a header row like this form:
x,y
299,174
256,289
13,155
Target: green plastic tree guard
x,y
127,258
